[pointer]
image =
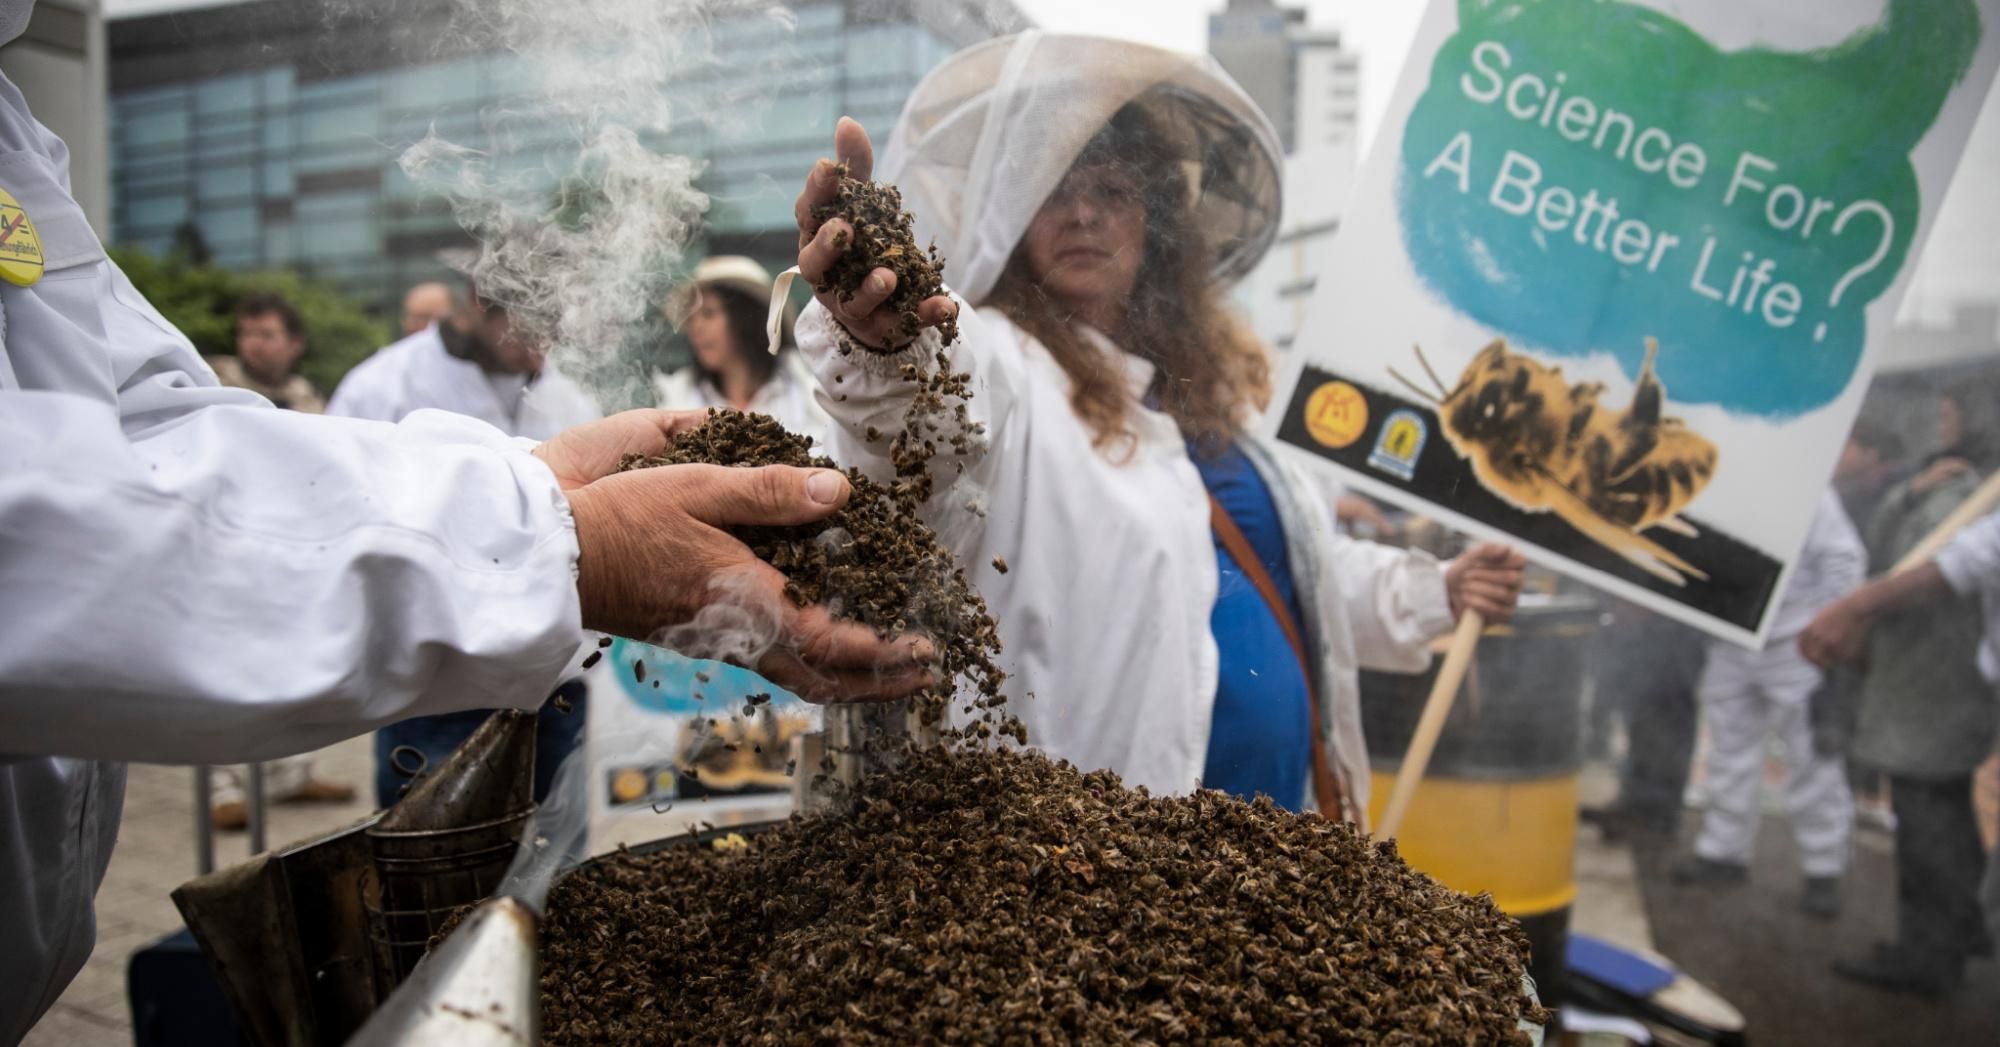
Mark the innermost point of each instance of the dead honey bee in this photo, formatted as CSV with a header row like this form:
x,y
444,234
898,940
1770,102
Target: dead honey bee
x,y
1548,446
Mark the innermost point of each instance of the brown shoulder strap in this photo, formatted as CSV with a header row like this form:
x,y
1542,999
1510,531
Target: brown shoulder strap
x,y
1326,785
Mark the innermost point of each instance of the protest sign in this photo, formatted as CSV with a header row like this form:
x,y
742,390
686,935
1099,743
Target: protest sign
x,y
1616,273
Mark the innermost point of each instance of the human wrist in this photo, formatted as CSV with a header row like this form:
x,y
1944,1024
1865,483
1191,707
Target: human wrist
x,y
1865,603
598,538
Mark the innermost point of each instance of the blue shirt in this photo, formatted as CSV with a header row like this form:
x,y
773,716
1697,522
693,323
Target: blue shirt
x,y
1260,740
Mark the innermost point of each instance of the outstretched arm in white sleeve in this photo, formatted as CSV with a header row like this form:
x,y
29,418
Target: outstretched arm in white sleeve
x,y
190,575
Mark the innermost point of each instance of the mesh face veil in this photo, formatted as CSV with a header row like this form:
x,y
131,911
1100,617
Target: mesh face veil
x,y
988,135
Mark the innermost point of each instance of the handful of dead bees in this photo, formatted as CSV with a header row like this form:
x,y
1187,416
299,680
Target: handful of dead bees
x,y
873,562
885,238
997,897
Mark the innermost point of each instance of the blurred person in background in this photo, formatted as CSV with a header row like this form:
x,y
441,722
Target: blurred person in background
x,y
1871,464
733,367
1748,696
1928,713
1159,551
270,342
426,304
471,362
1649,666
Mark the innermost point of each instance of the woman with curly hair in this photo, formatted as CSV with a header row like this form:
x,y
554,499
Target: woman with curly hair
x,y
1176,602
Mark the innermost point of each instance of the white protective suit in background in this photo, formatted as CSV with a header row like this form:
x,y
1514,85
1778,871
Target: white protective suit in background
x,y
1747,696
415,372
1105,608
190,575
788,397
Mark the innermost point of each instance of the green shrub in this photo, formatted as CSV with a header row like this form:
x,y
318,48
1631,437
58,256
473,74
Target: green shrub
x,y
201,301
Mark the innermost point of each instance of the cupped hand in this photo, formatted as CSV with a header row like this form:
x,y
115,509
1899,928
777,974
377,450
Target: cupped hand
x,y
655,555
822,244
1486,578
586,453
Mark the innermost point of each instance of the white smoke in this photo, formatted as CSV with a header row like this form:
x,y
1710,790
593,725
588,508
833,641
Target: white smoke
x,y
586,268
740,622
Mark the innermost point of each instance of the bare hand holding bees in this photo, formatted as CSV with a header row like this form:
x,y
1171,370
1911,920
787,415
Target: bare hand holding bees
x,y
865,311
1486,578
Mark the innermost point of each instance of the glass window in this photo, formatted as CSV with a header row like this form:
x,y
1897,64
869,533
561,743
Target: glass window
x,y
336,239
226,224
213,182
505,75
795,116
172,96
334,206
224,137
338,124
241,254
753,205
818,18
225,94
281,242
156,127
432,86
278,86
352,153
277,178
155,178
351,90
277,130
157,211
882,50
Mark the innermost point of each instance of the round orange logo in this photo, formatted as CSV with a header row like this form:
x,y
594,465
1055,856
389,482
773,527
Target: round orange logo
x,y
1336,414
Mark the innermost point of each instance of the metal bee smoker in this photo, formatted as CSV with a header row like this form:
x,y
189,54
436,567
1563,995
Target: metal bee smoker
x,y
447,844
309,940
859,739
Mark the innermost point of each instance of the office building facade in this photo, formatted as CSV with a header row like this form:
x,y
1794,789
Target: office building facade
x,y
266,133
1309,84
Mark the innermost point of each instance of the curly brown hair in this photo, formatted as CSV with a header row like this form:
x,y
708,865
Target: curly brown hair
x,y
1212,372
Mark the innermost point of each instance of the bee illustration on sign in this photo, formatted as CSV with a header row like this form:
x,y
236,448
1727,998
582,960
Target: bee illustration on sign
x,y
1547,446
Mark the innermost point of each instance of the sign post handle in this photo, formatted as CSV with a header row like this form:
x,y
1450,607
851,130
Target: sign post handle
x,y
1437,708
1977,505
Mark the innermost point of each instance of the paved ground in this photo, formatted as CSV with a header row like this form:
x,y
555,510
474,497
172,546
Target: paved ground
x,y
156,854
1753,945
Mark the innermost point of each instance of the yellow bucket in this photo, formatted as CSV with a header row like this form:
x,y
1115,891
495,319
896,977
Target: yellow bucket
x,y
1515,840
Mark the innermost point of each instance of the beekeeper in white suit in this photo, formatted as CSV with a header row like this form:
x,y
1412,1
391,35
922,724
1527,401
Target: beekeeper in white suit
x,y
190,575
1093,200
1749,696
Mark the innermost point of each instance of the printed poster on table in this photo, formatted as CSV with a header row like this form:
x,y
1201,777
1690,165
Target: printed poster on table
x,y
1614,278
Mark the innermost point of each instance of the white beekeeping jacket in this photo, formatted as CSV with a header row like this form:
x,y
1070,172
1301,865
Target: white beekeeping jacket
x,y
787,397
1104,608
416,372
190,575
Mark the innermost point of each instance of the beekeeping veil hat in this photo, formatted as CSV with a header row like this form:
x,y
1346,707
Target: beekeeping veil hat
x,y
988,135
740,274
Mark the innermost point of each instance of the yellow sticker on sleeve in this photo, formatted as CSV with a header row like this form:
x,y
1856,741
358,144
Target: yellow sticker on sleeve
x,y
20,248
